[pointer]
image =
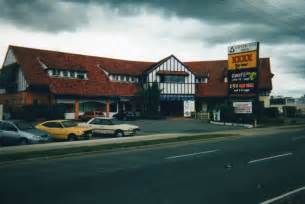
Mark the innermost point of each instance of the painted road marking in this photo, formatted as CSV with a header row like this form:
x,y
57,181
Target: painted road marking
x,y
192,154
283,195
272,157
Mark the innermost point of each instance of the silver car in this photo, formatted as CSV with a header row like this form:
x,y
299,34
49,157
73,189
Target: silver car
x,y
19,132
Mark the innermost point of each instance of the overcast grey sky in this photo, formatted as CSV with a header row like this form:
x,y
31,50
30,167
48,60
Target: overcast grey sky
x,y
153,29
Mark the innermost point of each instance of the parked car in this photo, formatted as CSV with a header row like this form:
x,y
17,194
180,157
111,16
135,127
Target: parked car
x,y
20,132
65,130
107,126
128,115
92,114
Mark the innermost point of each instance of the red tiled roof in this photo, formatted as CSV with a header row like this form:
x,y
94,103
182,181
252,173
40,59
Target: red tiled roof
x,y
98,83
217,70
123,67
215,86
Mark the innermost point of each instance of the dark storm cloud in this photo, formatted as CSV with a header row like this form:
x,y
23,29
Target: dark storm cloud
x,y
296,67
269,21
42,15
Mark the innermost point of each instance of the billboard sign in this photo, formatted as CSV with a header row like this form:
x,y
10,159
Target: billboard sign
x,y
242,107
242,48
242,81
242,60
242,69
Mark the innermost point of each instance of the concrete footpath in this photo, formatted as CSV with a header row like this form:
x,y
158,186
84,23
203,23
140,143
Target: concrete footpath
x,y
155,137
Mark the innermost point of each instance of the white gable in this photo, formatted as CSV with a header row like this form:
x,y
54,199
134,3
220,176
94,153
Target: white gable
x,y
10,58
171,64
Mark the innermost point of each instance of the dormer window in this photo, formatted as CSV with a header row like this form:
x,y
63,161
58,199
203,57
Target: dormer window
x,y
70,74
203,80
81,75
123,78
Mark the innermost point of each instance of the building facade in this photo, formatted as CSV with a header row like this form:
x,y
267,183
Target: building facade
x,y
87,83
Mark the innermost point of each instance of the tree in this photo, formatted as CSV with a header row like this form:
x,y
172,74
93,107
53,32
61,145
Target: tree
x,y
149,98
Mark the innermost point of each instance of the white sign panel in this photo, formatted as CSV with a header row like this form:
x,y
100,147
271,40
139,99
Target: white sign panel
x,y
1,112
189,107
242,107
242,48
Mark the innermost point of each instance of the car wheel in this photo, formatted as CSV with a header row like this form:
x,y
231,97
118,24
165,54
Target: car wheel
x,y
72,137
23,141
119,133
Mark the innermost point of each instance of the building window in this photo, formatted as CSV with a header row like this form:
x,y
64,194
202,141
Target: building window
x,y
172,79
72,74
123,78
65,73
202,80
55,72
81,75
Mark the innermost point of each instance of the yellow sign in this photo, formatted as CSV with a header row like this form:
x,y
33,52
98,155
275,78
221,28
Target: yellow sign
x,y
242,60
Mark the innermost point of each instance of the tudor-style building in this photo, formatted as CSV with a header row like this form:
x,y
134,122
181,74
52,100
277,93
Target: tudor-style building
x,y
86,83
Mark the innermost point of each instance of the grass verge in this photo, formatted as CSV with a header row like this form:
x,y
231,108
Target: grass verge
x,y
103,147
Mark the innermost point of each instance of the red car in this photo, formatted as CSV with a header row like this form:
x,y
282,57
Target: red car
x,y
92,114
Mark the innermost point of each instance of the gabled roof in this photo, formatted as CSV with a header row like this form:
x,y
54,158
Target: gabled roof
x,y
98,83
157,64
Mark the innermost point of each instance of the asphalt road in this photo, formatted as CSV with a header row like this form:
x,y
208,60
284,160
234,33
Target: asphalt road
x,y
244,170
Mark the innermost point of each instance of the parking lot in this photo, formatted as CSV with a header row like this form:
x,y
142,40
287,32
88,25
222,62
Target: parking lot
x,y
176,125
61,130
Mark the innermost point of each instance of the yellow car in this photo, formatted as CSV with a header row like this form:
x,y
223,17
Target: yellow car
x,y
65,130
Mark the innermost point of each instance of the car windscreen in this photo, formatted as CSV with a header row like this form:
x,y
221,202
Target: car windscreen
x,y
69,124
98,121
24,125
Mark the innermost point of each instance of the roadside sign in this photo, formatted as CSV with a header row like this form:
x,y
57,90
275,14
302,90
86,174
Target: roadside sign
x,y
1,112
243,48
242,69
242,107
189,107
242,60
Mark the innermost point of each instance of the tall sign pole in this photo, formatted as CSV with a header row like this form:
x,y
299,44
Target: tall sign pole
x,y
243,62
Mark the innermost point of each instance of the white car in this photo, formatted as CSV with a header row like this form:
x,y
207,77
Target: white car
x,y
107,126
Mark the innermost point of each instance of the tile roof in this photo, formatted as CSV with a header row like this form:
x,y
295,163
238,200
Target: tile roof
x,y
98,83
217,70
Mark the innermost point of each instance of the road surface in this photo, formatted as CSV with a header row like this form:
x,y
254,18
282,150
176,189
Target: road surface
x,y
260,169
